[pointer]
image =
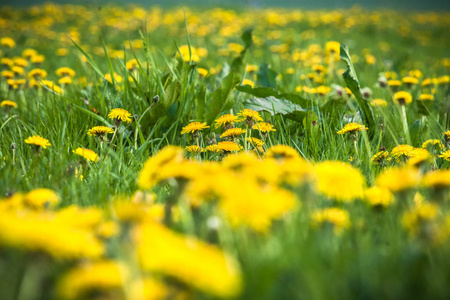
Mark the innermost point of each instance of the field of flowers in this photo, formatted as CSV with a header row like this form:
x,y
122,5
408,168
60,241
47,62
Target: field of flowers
x,y
185,153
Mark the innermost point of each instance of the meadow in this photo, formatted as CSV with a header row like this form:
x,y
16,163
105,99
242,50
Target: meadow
x,y
209,153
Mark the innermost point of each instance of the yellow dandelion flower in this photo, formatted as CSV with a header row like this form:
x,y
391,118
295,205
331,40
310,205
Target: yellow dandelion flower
x,y
410,80
426,97
250,115
379,157
398,179
282,152
177,256
229,146
339,181
203,72
194,127
445,155
37,73
213,148
99,131
7,42
433,144
378,103
65,80
352,127
248,82
333,48
120,114
264,127
117,78
439,179
40,198
379,197
254,141
413,219
402,98
193,149
338,218
38,141
394,83
233,132
402,152
8,104
103,275
419,156
225,120
63,72
87,153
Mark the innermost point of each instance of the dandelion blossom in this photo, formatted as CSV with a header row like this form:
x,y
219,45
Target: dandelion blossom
x,y
232,133
352,127
398,179
38,141
229,146
87,153
8,104
194,127
339,181
225,120
120,114
264,127
100,131
402,98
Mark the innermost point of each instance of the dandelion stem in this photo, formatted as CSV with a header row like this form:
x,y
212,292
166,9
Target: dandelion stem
x,y
405,124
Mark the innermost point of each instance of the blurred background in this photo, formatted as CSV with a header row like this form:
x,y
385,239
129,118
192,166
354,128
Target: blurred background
x,y
437,5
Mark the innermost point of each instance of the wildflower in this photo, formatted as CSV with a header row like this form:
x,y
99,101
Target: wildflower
x,y
100,131
40,198
439,179
49,233
132,64
38,141
177,256
394,83
426,97
251,68
418,157
433,144
402,98
37,74
150,173
212,148
379,197
445,155
87,153
282,152
226,120
379,157
332,49
446,136
248,82
7,42
352,128
232,133
229,146
103,275
194,127
254,141
117,78
250,116
8,104
339,181
410,80
414,219
203,72
338,218
398,179
120,114
65,80
370,59
37,59
193,149
61,52
63,72
188,53
378,103
52,86
402,152
264,127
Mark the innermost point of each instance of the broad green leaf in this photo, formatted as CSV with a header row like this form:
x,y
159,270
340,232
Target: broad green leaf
x,y
352,82
263,92
277,106
201,100
222,98
238,63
